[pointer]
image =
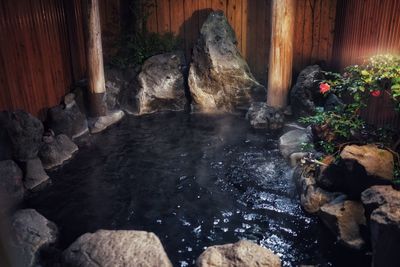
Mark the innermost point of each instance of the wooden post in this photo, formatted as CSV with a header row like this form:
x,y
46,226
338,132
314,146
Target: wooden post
x,y
281,52
94,58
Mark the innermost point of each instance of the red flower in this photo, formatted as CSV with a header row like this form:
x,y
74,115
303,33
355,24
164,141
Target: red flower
x,y
324,87
376,93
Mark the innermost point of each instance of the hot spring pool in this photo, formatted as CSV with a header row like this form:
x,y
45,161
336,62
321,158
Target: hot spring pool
x,y
195,181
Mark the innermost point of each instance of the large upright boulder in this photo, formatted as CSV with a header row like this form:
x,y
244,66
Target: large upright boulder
x,y
116,248
345,219
162,84
219,78
293,141
305,92
241,254
385,235
25,132
31,233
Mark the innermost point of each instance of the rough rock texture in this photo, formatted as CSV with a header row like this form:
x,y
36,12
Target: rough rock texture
x,y
385,235
241,254
312,198
11,186
101,123
115,83
376,161
67,118
263,116
219,78
31,233
344,218
56,150
293,141
116,248
25,133
349,177
305,92
162,84
34,173
379,195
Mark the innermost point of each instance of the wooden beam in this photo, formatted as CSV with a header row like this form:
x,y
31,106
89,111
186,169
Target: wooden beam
x,y
94,56
281,52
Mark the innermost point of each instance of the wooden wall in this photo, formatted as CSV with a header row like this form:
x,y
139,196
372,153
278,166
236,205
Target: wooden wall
x,y
42,51
365,28
35,67
251,20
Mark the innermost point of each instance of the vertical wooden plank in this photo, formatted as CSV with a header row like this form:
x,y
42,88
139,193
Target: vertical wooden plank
x,y
234,16
177,18
219,5
191,25
152,23
163,16
299,41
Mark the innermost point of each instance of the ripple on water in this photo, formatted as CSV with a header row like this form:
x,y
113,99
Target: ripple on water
x,y
194,180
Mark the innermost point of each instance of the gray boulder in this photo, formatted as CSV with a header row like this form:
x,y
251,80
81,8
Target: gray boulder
x,y
67,118
293,141
241,254
11,186
263,116
5,141
333,103
219,78
345,219
385,235
31,233
116,248
34,173
56,150
25,132
121,89
162,84
305,93
379,195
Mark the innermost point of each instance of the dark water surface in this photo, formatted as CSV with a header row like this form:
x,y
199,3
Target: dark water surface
x,y
195,181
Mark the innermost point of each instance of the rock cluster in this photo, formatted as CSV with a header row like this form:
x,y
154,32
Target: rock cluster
x,y
262,116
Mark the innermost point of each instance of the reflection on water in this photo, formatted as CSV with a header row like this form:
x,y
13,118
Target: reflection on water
x,y
195,181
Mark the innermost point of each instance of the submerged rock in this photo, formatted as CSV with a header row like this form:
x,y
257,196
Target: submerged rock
x,y
67,118
305,92
116,248
162,84
56,150
241,254
263,116
345,218
25,132
219,78
31,233
11,186
377,162
34,173
385,235
293,141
